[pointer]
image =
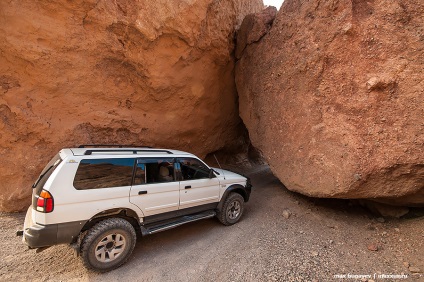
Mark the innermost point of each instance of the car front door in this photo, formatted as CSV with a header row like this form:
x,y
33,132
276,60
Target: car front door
x,y
196,188
155,189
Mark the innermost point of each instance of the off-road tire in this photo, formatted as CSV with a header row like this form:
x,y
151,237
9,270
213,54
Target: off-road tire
x,y
114,234
232,209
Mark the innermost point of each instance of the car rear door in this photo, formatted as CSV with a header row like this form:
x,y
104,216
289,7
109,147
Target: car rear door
x,y
151,192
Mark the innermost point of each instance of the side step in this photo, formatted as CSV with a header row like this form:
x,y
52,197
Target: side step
x,y
158,227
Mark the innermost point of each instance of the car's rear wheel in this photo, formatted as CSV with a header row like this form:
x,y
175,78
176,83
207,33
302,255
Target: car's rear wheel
x,y
232,209
108,244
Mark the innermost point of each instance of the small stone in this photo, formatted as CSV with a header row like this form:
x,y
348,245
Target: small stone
x,y
372,82
357,176
314,253
286,214
380,219
414,269
347,27
406,264
331,241
384,233
301,232
397,230
373,247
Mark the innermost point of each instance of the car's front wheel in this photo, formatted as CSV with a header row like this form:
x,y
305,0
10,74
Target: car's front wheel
x,y
108,244
232,209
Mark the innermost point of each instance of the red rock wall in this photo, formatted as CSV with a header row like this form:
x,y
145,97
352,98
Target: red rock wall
x,y
156,73
333,96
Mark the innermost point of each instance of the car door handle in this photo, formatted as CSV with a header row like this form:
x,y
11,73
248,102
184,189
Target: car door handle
x,y
188,187
142,192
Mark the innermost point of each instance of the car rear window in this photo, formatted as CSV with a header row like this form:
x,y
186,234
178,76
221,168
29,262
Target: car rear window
x,y
104,173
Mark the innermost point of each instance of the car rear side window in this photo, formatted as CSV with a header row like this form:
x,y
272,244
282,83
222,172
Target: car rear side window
x,y
103,173
154,170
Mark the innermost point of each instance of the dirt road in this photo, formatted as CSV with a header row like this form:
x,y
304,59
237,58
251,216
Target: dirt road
x,y
321,240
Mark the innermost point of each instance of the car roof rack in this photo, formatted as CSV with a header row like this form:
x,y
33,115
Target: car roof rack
x,y
90,152
111,145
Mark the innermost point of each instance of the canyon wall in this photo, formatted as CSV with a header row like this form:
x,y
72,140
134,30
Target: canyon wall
x,y
157,73
333,96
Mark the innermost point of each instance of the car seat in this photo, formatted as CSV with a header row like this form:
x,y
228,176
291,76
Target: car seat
x,y
164,174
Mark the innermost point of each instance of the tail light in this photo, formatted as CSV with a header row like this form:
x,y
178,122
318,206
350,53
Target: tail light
x,y
45,202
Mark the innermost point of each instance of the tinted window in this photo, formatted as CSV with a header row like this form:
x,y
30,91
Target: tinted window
x,y
103,173
193,169
154,170
140,174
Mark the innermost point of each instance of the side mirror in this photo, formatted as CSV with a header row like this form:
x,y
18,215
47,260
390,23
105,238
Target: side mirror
x,y
211,174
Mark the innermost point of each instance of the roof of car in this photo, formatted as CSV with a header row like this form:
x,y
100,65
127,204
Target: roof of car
x,y
125,151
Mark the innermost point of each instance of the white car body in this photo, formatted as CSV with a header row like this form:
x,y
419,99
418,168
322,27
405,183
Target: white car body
x,y
74,210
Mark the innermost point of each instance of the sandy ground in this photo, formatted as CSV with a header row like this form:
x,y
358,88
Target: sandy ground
x,y
321,240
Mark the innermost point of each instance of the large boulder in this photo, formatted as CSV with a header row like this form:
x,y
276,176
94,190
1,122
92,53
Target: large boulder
x,y
333,96
158,73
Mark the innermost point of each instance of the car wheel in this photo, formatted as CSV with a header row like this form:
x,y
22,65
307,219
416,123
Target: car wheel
x,y
232,209
108,244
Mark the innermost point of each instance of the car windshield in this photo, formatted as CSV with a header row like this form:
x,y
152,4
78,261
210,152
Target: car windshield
x,y
46,172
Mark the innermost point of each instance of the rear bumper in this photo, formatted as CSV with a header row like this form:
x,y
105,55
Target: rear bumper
x,y
38,235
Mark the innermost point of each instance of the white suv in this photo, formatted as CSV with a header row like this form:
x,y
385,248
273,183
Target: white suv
x,y
98,199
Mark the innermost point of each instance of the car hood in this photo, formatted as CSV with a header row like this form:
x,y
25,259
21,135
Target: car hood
x,y
229,176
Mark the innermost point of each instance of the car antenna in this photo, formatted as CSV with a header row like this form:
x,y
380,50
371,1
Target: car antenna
x,y
223,174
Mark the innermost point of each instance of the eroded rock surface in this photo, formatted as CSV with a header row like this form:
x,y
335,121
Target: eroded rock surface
x,y
333,96
254,27
156,73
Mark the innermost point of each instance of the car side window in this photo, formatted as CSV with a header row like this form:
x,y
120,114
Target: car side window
x,y
192,168
140,174
154,170
103,173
